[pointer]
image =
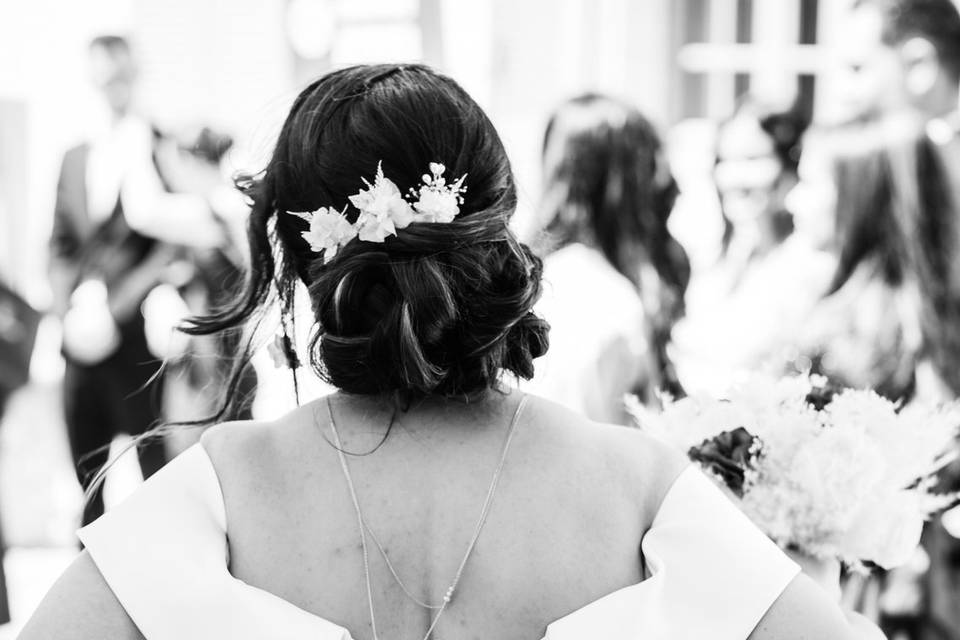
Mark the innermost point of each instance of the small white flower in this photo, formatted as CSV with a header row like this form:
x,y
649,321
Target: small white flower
x,y
435,200
436,206
382,209
885,531
329,230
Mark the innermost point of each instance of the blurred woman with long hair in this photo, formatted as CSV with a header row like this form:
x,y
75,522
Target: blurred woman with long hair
x,y
756,167
890,319
615,276
746,304
864,331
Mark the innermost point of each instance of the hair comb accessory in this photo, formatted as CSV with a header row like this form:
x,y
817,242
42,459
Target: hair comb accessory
x,y
383,211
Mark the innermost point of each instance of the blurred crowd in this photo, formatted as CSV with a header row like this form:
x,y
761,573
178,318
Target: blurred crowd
x,y
839,254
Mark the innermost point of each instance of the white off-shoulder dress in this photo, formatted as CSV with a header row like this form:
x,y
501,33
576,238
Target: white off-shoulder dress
x,y
164,553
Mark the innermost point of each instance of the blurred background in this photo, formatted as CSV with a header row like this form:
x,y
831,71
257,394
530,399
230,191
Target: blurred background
x,y
216,78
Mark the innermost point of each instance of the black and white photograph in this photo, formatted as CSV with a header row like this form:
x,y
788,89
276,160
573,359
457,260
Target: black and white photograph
x,y
480,319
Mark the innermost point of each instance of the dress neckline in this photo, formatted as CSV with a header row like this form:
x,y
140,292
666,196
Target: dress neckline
x,y
343,632
165,550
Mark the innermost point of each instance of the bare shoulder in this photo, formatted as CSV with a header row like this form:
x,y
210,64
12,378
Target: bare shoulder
x,y
251,457
80,606
643,465
804,610
236,443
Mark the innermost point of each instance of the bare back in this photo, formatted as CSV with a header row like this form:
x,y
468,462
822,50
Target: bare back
x,y
574,501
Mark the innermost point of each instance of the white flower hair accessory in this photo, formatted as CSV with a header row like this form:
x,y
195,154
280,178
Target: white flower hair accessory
x,y
436,200
328,230
383,211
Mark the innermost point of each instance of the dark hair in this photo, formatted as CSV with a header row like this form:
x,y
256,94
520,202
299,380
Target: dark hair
x,y
605,185
935,20
869,210
870,163
112,44
931,232
437,309
784,129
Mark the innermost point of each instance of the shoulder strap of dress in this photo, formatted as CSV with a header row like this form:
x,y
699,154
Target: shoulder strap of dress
x,y
163,552
713,574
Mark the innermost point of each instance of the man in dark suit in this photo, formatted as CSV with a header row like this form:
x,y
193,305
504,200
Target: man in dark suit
x,y
100,270
903,57
115,225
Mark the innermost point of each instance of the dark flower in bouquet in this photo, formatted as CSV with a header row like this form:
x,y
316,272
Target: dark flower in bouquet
x,y
728,455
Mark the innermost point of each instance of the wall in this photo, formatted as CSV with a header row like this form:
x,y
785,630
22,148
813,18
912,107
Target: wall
x,y
545,51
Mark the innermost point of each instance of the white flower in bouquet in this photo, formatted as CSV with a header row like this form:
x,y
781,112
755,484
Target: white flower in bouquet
x,y
852,480
917,440
764,395
810,483
886,530
690,421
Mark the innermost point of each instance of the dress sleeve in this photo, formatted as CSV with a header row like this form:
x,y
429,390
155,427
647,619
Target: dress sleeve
x,y
712,574
715,572
164,553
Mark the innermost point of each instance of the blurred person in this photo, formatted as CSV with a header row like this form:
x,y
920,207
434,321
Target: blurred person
x,y
905,55
421,306
933,244
891,318
614,275
863,333
900,54
756,166
18,330
743,307
114,222
200,280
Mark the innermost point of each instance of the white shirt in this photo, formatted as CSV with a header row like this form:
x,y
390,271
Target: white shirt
x,y
127,143
598,347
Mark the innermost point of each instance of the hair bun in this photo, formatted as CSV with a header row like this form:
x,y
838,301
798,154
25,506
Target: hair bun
x,y
444,323
527,341
434,308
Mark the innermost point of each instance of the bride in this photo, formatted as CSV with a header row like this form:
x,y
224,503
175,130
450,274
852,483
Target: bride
x,y
423,499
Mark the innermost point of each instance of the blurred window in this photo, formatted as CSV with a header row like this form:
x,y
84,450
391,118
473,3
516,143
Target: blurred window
x,y
730,47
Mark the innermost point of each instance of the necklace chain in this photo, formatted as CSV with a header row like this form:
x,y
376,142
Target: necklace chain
x,y
396,576
365,528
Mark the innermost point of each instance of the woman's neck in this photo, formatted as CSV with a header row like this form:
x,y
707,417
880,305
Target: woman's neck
x,y
374,413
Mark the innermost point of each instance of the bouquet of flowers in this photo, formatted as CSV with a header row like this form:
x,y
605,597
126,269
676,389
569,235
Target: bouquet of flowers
x,y
847,474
